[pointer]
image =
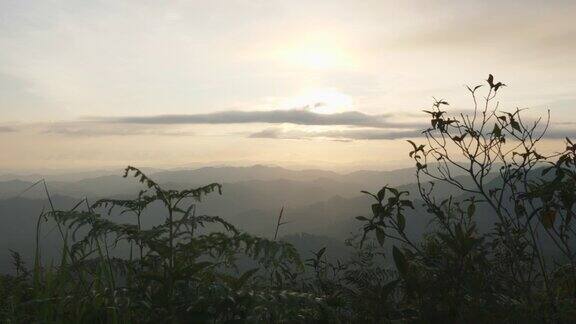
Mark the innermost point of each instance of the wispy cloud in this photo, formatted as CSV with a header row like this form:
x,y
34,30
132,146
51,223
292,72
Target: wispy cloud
x,y
345,134
561,133
91,129
292,116
7,129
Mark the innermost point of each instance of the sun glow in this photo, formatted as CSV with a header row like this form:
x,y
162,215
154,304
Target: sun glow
x,y
316,55
317,58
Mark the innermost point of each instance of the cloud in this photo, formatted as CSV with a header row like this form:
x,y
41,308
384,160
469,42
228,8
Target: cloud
x,y
346,134
89,129
369,134
560,134
267,133
292,116
346,126
7,129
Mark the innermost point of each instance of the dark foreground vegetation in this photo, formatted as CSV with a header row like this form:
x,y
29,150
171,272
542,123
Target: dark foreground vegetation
x,y
196,268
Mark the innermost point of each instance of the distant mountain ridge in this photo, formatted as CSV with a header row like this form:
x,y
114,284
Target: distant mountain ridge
x,y
316,202
105,185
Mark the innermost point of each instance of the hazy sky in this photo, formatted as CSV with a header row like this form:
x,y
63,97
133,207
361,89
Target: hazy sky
x,y
97,84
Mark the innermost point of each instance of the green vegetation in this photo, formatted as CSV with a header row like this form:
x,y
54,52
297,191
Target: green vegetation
x,y
502,252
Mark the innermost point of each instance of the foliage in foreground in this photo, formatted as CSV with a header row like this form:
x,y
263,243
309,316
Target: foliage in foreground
x,y
522,268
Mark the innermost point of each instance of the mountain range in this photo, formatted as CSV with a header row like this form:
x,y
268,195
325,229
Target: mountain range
x,y
316,202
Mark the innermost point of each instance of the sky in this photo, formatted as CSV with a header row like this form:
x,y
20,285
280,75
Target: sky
x,y
324,84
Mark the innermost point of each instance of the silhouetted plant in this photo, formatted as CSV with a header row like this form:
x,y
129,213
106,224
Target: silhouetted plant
x,y
458,273
180,274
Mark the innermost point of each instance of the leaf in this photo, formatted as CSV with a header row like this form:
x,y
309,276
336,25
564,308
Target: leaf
x,y
490,80
546,170
244,278
519,209
380,235
414,146
401,222
320,252
515,125
377,209
362,218
498,85
197,267
369,193
400,261
459,138
497,132
548,217
471,209
381,194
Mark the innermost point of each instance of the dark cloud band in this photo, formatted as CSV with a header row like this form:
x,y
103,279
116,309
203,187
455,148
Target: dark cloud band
x,y
347,134
7,129
293,116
